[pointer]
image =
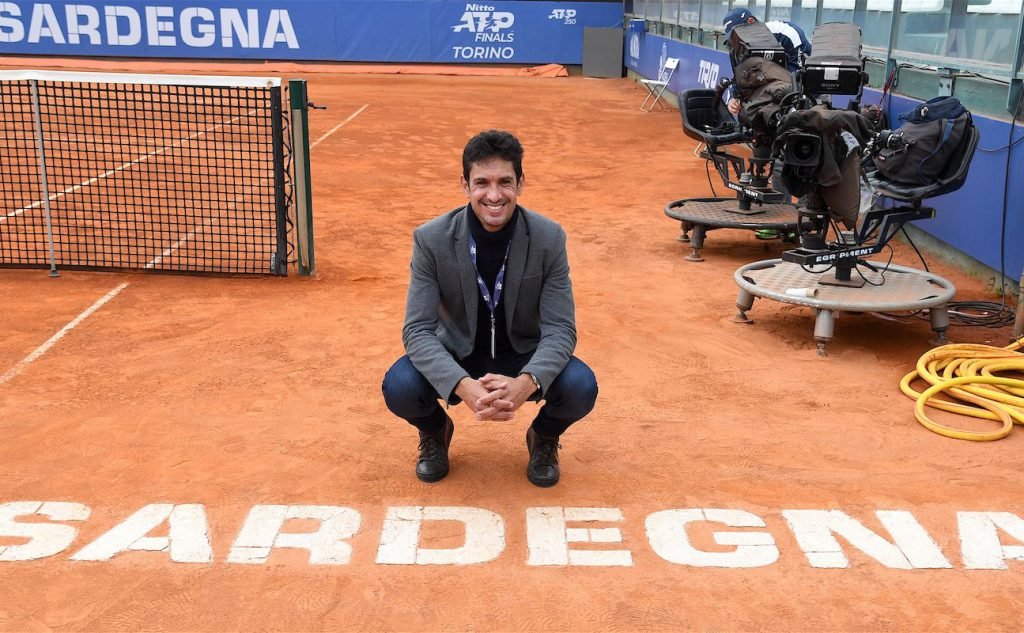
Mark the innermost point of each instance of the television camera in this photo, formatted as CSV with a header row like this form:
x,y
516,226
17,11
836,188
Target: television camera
x,y
823,154
769,92
822,150
803,143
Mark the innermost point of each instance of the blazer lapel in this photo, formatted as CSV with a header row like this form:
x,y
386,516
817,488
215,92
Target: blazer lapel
x,y
467,274
518,250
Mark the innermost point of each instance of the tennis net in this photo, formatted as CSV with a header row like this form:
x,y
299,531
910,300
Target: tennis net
x,y
143,172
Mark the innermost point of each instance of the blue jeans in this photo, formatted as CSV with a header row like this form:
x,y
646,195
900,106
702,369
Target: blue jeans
x,y
569,398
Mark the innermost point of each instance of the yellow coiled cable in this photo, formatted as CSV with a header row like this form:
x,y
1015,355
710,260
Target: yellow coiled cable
x,y
969,374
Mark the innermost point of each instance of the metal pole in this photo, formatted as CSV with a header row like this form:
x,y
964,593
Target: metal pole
x,y
894,30
700,23
42,175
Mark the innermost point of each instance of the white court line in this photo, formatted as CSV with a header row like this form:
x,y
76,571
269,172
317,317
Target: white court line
x,y
110,172
170,249
159,258
42,349
339,126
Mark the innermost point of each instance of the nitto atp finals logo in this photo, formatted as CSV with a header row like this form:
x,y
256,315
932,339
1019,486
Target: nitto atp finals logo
x,y
487,26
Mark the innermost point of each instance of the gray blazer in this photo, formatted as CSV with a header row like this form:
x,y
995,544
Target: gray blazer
x,y
441,308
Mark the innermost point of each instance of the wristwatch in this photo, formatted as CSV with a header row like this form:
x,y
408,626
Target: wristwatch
x,y
536,383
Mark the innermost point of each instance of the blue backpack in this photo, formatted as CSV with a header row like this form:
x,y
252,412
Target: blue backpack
x,y
934,110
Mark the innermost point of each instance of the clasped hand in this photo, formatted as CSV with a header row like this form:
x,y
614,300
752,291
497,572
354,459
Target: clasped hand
x,y
493,396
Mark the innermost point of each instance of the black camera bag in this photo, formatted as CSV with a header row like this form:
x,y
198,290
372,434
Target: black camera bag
x,y
931,132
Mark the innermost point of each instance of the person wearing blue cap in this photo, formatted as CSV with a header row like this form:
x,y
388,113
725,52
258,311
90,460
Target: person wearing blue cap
x,y
789,35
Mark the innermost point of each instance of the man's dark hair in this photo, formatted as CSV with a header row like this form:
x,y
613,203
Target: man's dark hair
x,y
493,144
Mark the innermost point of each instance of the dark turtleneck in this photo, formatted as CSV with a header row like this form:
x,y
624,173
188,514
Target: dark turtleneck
x,y
490,253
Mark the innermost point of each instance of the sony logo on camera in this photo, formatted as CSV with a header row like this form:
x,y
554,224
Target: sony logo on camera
x,y
832,79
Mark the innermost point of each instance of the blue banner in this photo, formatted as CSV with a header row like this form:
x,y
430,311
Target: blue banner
x,y
699,67
342,30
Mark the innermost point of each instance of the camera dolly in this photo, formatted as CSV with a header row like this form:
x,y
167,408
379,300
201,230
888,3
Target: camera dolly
x,y
755,206
900,289
798,277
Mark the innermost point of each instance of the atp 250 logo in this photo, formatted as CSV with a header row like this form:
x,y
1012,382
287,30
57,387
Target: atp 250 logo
x,y
567,16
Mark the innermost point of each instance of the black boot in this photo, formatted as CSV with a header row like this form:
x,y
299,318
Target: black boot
x,y
543,467
433,461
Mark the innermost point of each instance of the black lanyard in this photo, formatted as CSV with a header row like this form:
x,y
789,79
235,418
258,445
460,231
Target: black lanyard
x,y
491,301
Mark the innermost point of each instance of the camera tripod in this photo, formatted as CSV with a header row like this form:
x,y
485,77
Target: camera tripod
x,y
844,254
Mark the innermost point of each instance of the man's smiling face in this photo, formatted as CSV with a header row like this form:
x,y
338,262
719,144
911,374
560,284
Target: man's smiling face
x,y
493,191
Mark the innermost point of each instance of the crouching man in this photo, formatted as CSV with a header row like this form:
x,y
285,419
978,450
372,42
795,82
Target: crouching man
x,y
490,318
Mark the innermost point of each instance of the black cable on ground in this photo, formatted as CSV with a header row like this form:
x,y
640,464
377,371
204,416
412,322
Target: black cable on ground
x,y
968,313
962,313
980,314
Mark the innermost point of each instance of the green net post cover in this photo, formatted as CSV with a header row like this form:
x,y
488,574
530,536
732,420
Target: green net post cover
x,y
300,156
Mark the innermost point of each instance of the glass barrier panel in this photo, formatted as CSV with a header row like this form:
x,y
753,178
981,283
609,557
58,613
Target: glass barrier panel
x,y
803,13
836,11
924,27
653,10
657,8
790,11
749,5
781,10
876,24
689,13
670,11
712,12
985,31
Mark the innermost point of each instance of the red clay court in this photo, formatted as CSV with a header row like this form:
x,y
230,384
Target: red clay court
x,y
215,395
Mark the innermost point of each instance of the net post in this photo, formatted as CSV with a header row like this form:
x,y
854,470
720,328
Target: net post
x,y
42,175
279,263
300,158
